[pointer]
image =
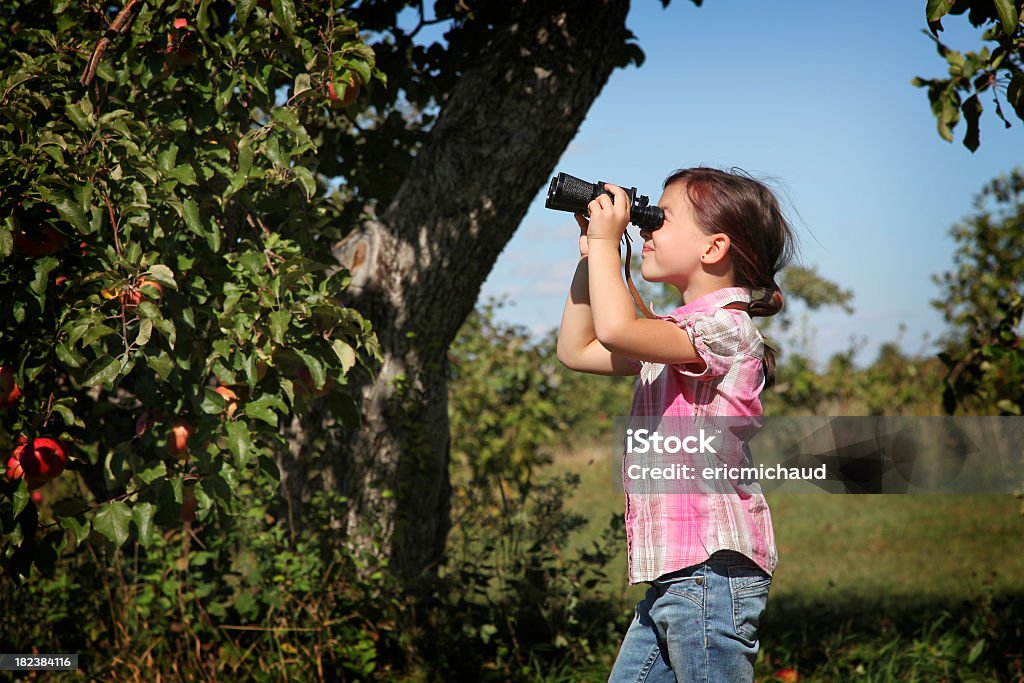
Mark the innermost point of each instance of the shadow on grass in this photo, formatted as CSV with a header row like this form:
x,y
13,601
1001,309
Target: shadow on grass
x,y
888,637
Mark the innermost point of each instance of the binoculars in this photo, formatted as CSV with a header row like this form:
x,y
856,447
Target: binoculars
x,y
567,193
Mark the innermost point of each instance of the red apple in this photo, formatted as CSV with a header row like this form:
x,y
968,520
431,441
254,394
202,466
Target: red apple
x,y
177,442
14,469
304,385
10,392
39,460
133,294
349,87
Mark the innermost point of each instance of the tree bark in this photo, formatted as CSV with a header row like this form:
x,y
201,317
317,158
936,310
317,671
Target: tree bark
x,y
417,271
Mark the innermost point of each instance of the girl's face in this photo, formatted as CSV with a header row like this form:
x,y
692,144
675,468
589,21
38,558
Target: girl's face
x,y
672,253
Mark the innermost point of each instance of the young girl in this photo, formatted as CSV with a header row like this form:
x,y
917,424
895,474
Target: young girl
x,y
707,557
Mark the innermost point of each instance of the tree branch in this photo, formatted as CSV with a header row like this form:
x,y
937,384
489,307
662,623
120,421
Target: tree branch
x,y
121,25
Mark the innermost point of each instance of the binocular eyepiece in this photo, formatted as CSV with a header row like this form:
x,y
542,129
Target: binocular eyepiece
x,y
567,193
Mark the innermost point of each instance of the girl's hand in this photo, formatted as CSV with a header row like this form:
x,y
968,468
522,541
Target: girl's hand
x,y
608,220
582,220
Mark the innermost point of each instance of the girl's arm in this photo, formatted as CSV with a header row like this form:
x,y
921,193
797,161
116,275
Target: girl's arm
x,y
616,325
578,347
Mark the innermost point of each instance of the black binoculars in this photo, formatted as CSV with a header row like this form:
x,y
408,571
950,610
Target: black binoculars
x,y
567,193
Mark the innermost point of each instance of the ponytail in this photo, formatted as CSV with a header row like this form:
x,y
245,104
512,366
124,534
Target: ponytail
x,y
765,303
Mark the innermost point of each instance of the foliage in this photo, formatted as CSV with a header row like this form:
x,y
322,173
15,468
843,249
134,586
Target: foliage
x,y
234,598
160,208
503,405
523,598
983,303
239,597
996,69
894,383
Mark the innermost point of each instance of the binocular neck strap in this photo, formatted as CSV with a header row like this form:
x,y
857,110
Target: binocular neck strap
x,y
637,299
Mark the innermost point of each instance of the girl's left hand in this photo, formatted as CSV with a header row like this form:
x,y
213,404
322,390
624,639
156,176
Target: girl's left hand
x,y
608,220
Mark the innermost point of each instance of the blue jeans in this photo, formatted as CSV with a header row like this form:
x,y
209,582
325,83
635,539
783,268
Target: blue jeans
x,y
697,624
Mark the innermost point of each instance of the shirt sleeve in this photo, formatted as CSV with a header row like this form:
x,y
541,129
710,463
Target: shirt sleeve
x,y
718,338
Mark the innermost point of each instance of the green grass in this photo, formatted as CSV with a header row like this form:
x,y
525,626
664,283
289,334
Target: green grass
x,y
873,587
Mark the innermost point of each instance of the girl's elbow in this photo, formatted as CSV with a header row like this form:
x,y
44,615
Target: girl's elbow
x,y
564,356
610,336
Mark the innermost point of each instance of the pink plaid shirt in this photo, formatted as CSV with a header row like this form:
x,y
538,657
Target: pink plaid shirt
x,y
670,530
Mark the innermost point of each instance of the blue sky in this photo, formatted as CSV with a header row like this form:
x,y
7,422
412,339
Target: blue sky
x,y
814,94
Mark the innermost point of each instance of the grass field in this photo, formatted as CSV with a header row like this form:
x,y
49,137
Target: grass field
x,y
874,587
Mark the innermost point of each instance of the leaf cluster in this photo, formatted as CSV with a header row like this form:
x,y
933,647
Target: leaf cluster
x,y
996,69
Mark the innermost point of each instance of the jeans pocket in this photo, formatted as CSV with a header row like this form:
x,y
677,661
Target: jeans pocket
x,y
748,585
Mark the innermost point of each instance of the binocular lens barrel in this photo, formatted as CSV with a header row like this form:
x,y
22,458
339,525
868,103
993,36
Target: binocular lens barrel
x,y
568,193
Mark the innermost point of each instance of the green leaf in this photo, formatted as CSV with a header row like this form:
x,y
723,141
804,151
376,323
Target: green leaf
x,y
976,651
112,521
162,274
1008,406
78,525
305,176
239,442
94,333
316,368
20,498
241,176
937,9
67,415
102,371
262,408
167,157
43,267
145,332
243,8
151,474
345,353
161,364
279,321
7,238
184,174
142,515
284,15
212,403
80,114
1007,16
67,355
68,208
191,213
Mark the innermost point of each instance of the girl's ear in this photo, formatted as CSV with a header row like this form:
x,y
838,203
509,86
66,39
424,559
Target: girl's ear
x,y
717,248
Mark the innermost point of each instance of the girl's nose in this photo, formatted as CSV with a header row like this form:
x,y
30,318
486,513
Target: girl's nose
x,y
645,234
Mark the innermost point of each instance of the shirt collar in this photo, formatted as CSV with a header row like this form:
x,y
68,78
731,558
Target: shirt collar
x,y
717,299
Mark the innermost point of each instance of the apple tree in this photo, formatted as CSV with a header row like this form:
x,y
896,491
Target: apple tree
x,y
166,304
189,145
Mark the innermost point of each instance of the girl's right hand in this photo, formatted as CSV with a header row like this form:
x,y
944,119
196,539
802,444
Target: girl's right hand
x,y
582,220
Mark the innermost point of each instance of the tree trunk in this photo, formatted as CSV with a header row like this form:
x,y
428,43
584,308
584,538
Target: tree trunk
x,y
417,271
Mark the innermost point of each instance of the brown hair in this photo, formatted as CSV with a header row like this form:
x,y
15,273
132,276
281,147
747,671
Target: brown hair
x,y
762,241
